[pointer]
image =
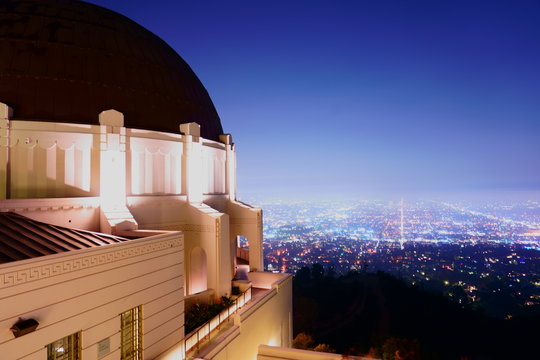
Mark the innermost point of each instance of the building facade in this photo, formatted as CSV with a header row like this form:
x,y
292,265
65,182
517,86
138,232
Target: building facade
x,y
118,199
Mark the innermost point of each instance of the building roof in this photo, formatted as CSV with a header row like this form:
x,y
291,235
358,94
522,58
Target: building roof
x,y
66,61
23,238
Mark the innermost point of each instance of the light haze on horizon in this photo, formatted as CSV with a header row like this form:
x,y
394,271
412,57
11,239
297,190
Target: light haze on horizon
x,y
329,98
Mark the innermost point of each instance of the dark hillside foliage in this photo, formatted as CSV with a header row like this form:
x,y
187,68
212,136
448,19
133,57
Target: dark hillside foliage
x,y
378,314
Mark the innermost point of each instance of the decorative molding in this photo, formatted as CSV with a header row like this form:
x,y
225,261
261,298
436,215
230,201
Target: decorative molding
x,y
45,138
259,222
165,147
195,227
29,205
82,143
181,227
40,272
218,230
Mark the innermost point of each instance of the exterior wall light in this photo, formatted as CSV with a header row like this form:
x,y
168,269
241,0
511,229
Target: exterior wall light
x,y
23,327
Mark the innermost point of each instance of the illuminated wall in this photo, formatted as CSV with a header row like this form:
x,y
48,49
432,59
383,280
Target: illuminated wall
x,y
86,290
52,160
213,170
111,179
45,163
124,181
155,164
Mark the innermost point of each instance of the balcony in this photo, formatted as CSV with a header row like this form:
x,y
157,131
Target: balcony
x,y
258,301
207,331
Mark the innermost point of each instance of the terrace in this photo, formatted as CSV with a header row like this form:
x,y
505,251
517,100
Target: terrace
x,y
209,338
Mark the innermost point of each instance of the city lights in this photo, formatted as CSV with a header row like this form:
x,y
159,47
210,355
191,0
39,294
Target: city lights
x,y
445,245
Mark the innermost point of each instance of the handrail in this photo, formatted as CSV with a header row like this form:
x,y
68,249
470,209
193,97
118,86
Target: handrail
x,y
197,336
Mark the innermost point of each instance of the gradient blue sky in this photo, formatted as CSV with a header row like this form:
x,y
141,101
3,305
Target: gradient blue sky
x,y
366,98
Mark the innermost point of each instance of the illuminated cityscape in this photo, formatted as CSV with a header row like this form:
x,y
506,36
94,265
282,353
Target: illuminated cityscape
x,y
477,254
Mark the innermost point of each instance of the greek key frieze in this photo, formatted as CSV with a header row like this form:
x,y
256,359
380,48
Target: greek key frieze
x,y
40,272
193,227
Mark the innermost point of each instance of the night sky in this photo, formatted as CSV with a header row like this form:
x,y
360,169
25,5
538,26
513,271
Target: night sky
x,y
367,98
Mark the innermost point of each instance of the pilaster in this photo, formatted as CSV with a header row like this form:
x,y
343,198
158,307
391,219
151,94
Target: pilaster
x,y
230,165
192,171
114,213
5,115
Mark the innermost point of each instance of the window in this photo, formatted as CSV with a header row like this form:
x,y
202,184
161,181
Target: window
x,y
131,334
68,348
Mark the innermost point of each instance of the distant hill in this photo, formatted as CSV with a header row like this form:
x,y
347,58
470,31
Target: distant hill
x,y
365,313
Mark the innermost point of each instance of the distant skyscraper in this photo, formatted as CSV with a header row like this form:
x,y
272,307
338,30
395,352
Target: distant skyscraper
x,y
401,234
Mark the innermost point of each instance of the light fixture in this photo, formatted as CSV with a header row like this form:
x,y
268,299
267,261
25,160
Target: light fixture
x,y
23,327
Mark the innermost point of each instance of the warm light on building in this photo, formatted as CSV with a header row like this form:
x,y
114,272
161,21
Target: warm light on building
x,y
118,204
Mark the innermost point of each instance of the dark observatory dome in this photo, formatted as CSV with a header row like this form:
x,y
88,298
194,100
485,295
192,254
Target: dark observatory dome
x,y
66,61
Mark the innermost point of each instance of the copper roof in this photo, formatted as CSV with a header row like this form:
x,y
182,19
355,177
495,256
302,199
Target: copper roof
x,y
66,61
24,238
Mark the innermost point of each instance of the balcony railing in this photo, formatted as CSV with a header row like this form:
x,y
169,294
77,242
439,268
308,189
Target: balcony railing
x,y
204,332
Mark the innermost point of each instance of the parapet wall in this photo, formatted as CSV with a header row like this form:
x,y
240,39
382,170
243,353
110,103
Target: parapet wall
x,y
56,160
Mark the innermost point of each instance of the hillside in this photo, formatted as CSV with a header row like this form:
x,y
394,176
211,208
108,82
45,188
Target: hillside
x,y
361,313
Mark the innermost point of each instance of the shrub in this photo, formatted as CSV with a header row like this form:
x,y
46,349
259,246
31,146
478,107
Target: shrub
x,y
198,314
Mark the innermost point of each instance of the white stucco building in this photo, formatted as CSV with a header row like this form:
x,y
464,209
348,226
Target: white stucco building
x,y
118,199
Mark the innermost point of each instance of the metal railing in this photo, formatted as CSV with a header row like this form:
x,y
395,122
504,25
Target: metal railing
x,y
203,332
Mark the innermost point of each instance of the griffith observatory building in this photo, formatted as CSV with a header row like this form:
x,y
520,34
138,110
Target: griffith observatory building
x,y
118,207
